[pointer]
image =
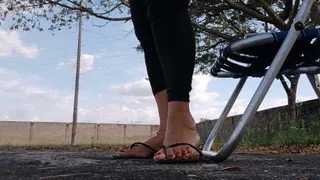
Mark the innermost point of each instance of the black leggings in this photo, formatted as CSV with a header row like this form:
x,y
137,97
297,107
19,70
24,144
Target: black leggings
x,y
165,32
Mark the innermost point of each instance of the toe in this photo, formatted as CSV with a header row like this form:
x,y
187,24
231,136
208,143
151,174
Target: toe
x,y
159,155
184,151
123,153
171,153
178,151
134,152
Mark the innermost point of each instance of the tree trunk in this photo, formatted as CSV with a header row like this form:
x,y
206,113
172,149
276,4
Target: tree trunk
x,y
291,94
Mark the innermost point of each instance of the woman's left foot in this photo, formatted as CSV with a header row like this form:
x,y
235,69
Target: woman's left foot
x,y
143,150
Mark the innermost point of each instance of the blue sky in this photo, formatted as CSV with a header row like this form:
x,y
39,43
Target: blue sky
x,y
37,79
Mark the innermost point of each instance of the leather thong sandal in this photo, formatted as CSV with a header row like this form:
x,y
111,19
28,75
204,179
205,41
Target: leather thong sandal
x,y
180,159
132,156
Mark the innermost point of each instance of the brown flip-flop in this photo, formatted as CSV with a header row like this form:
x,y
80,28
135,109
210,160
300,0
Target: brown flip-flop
x,y
166,161
153,151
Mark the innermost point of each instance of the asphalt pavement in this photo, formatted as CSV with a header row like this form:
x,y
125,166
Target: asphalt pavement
x,y
23,164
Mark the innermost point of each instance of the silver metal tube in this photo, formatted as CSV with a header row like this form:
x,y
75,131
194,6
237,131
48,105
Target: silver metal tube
x,y
252,41
303,70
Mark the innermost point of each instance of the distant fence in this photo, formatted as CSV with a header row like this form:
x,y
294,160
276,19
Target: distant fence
x,y
49,133
267,122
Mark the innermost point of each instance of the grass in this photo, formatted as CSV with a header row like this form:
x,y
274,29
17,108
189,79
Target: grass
x,y
295,134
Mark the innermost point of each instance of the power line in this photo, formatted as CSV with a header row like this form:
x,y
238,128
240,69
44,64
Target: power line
x,y
94,66
65,33
57,62
59,57
107,36
91,44
13,43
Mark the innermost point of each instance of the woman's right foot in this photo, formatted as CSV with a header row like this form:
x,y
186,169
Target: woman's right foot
x,y
141,151
181,129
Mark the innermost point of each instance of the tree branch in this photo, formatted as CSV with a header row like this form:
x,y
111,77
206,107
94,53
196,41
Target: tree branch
x,y
205,9
126,3
294,12
206,49
214,32
272,14
287,9
84,9
112,9
285,85
293,79
249,11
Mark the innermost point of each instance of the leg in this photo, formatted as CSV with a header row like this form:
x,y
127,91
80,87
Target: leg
x,y
156,77
175,43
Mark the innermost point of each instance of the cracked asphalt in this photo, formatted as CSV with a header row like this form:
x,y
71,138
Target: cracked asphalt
x,y
23,164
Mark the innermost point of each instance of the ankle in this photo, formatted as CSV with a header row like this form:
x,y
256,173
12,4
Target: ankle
x,y
178,107
176,120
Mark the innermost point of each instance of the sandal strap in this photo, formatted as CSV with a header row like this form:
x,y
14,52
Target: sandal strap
x,y
164,148
143,144
187,144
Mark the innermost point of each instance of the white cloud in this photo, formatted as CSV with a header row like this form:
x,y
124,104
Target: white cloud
x,y
139,92
29,52
116,113
11,43
138,88
86,63
200,93
33,101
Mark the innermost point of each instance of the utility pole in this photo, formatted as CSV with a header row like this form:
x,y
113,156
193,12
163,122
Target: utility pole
x,y
76,92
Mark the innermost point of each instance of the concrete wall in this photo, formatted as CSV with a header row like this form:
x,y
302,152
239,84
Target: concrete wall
x,y
267,122
49,133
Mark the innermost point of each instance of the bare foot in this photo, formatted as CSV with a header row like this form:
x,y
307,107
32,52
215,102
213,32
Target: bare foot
x,y
180,129
141,151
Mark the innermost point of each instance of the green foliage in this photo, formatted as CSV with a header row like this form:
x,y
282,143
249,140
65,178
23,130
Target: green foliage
x,y
253,140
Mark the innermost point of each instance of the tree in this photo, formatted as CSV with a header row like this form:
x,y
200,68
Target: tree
x,y
216,22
